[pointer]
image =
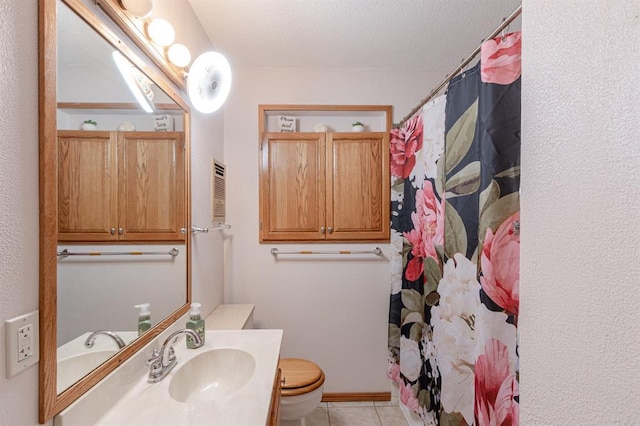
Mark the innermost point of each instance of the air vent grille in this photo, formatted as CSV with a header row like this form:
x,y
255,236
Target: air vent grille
x,y
218,187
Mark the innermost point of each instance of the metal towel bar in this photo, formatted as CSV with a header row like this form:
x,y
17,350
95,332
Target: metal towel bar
x,y
66,253
377,251
201,230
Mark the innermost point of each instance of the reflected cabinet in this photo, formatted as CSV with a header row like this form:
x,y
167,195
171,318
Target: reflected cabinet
x,y
121,186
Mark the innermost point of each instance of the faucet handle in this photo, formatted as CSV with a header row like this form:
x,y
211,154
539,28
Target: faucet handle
x,y
155,363
155,357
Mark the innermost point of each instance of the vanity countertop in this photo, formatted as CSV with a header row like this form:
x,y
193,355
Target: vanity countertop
x,y
229,317
151,404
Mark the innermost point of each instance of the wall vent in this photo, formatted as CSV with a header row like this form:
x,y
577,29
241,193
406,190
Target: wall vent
x,y
218,191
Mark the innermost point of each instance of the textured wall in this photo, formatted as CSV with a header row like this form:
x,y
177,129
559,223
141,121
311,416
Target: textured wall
x,y
580,282
18,195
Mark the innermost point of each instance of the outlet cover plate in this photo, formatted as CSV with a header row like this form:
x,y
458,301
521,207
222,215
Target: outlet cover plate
x,y
22,342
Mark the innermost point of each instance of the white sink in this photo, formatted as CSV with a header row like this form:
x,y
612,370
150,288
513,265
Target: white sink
x,y
226,382
211,375
75,367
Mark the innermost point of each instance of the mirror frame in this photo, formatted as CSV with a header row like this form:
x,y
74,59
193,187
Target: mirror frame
x,y
50,402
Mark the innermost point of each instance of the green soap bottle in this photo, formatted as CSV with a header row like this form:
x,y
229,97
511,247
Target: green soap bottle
x,y
195,323
144,318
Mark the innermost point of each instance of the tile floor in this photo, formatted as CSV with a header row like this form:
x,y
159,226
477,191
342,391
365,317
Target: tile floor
x,y
357,414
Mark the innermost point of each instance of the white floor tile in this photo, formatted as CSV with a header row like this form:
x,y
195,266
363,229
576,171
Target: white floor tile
x,y
353,416
319,417
391,416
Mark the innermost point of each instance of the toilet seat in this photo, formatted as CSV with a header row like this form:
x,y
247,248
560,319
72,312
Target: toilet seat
x,y
300,376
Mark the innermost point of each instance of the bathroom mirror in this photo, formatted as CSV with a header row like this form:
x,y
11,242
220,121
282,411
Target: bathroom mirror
x,y
92,276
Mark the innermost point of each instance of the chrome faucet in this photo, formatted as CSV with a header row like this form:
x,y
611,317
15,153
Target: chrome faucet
x,y
158,369
91,340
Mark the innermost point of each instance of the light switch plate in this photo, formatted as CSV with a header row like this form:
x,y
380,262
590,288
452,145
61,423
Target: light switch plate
x,y
22,337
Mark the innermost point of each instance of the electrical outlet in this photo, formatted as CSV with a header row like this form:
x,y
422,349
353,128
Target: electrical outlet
x,y
25,345
21,342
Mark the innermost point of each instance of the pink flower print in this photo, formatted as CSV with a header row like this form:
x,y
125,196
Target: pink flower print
x,y
495,387
408,398
500,59
500,263
393,372
428,224
405,142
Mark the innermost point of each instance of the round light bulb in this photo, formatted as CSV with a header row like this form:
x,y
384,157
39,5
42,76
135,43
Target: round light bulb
x,y
179,55
161,32
139,8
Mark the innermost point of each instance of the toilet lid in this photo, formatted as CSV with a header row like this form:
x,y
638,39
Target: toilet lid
x,y
299,372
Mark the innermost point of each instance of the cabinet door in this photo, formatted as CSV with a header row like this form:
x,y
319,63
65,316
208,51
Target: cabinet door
x,y
358,186
292,187
87,185
151,190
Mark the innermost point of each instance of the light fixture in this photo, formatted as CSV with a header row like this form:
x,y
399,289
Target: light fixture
x,y
137,82
179,55
139,8
209,81
161,32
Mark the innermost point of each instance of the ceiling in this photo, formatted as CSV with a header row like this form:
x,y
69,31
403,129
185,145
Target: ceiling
x,y
430,35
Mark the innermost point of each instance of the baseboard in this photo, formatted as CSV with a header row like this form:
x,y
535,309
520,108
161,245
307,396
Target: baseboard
x,y
356,396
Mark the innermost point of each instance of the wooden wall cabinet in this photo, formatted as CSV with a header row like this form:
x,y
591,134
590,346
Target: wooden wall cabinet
x,y
332,186
121,186
324,186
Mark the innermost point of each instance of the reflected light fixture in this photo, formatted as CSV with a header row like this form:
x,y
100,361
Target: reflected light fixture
x,y
137,82
139,8
161,32
179,55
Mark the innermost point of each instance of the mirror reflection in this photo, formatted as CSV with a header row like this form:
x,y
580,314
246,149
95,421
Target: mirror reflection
x,y
122,212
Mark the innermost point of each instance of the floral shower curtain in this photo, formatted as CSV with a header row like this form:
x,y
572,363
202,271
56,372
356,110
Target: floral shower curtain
x,y
456,248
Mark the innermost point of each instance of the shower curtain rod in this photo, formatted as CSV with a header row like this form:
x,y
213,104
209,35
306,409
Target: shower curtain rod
x,y
464,63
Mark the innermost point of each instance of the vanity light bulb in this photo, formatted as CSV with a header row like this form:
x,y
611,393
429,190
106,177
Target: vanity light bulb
x,y
161,32
139,8
179,55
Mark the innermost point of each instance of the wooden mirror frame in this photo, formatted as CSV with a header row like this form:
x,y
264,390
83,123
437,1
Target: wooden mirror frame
x,y
50,402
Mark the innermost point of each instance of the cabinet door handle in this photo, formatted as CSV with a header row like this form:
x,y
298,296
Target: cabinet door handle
x,y
322,229
183,230
120,231
113,231
330,229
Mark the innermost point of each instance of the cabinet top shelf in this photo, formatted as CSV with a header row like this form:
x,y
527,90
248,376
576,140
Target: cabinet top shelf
x,y
335,117
116,108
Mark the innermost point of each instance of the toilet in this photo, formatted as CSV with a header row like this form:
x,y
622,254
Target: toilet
x,y
302,382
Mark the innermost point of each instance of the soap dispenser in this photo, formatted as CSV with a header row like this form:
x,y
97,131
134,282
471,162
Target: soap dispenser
x,y
144,318
195,323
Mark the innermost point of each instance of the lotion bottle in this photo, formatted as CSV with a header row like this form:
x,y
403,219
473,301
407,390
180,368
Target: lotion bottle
x,y
195,323
144,318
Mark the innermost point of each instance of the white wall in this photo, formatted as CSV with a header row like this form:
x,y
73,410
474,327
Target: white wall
x,y
18,195
19,191
580,275
334,312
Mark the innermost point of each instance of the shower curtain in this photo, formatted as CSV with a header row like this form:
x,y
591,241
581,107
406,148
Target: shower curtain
x,y
455,247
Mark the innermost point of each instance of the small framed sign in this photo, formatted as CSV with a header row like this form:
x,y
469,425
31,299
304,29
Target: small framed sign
x,y
286,123
163,123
